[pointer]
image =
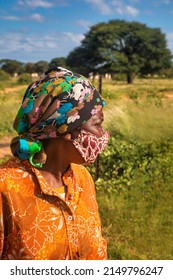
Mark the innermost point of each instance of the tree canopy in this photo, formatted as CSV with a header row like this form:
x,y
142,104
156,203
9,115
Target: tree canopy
x,y
58,61
125,47
11,66
41,66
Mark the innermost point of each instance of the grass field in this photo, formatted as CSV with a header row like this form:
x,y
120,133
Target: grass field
x,y
137,212
135,189
142,110
10,99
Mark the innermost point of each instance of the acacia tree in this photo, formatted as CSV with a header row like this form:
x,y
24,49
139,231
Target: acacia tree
x,y
30,67
77,61
124,47
41,66
58,61
12,66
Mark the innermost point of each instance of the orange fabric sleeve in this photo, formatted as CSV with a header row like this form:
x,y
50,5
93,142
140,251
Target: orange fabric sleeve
x,y
1,227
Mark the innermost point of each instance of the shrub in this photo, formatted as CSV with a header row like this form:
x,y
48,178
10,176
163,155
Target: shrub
x,y
134,192
4,76
24,78
124,161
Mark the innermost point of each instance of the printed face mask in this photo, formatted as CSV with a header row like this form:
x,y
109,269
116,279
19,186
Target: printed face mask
x,y
90,145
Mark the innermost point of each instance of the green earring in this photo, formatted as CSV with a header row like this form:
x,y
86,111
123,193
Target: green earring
x,y
35,164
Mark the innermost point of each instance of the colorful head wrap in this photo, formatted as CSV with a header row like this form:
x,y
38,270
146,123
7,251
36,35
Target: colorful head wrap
x,y
56,104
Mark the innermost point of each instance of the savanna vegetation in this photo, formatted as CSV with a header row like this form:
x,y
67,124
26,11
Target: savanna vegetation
x,y
115,47
135,184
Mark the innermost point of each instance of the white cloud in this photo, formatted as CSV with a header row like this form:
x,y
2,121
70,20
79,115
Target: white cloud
x,y
169,37
162,2
76,38
114,7
134,1
41,3
132,11
37,17
26,47
35,3
84,23
122,8
33,17
101,6
10,17
166,1
129,10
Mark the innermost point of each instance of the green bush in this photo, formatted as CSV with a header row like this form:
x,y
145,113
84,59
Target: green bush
x,y
4,76
24,78
123,161
134,192
119,77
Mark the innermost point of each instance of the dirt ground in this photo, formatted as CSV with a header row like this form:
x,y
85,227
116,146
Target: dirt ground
x,y
5,146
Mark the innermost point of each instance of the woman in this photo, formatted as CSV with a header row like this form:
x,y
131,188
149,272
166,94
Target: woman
x,y
48,208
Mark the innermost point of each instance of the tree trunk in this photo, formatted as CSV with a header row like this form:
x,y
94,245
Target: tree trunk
x,y
130,78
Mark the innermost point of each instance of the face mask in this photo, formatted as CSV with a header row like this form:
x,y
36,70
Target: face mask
x,y
90,145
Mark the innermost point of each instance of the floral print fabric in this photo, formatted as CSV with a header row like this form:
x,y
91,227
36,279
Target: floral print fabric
x,y
58,103
37,223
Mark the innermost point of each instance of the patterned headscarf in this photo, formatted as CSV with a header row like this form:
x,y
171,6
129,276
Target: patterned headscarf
x,y
56,104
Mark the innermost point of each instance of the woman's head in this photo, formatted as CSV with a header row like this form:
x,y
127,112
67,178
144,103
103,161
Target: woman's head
x,y
58,103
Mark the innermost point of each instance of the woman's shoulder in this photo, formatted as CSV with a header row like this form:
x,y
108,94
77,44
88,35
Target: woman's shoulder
x,y
82,173
80,169
13,167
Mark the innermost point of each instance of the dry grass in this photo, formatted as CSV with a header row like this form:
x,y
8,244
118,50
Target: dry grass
x,y
142,110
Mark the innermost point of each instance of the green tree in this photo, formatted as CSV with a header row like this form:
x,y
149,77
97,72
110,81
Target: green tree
x,y
130,48
58,61
11,66
167,73
41,66
77,61
30,68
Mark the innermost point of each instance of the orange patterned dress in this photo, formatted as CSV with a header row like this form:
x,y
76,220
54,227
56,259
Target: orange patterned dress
x,y
36,223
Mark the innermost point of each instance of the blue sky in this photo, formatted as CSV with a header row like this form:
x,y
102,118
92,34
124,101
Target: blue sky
x,y
33,30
